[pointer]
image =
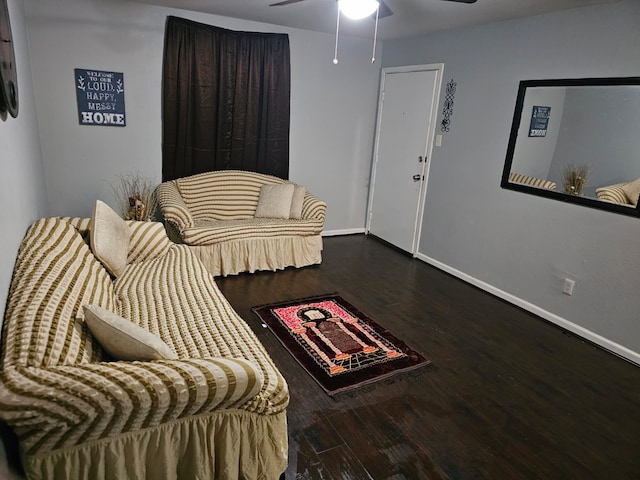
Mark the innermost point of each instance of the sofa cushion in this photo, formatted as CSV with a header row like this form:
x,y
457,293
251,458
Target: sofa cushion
x,y
208,233
275,201
109,238
632,191
196,320
297,200
123,339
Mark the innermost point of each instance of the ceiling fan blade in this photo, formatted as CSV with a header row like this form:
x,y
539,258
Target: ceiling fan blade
x,y
285,2
461,1
384,10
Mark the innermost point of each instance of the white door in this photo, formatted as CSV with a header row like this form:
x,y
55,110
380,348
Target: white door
x,y
406,124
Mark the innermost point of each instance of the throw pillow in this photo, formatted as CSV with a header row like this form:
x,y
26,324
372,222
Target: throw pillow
x,y
299,192
109,238
275,201
632,191
122,339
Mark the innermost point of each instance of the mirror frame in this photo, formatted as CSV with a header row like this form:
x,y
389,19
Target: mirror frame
x,y
513,137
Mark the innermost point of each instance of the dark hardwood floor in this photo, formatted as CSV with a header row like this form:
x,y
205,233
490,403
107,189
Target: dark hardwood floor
x,y
508,396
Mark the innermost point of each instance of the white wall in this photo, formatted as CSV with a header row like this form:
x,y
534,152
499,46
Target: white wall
x,y
520,246
22,181
332,107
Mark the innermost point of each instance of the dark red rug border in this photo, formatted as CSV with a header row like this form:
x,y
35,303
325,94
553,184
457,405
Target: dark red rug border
x,y
346,381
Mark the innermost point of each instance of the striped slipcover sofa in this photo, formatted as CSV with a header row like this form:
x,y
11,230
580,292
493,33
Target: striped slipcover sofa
x,y
613,193
214,213
217,411
625,193
532,181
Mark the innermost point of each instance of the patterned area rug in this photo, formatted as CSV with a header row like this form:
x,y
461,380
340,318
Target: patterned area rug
x,y
339,346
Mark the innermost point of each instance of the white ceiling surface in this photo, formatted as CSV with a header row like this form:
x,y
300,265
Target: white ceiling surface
x,y
411,17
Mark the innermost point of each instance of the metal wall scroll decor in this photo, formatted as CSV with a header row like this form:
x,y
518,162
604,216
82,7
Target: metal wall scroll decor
x,y
447,110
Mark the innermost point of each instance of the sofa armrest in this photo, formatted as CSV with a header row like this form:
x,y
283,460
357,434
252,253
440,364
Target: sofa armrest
x,y
313,208
173,208
148,240
70,404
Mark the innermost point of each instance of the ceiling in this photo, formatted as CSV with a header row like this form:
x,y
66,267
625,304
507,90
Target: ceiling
x,y
411,17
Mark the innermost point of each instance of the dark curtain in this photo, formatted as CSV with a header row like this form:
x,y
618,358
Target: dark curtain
x,y
225,100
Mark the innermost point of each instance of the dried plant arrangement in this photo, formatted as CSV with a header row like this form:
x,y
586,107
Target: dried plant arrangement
x,y
574,178
136,197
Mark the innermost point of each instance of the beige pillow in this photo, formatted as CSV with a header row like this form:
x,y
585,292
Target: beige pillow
x,y
632,190
109,238
122,339
299,192
275,201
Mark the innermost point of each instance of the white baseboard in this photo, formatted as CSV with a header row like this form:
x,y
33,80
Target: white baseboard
x,y
605,343
348,231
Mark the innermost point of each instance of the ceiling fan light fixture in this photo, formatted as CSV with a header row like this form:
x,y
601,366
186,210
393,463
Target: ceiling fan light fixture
x,y
358,9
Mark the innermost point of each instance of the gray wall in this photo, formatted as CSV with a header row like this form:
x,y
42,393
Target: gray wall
x,y
332,107
518,246
22,180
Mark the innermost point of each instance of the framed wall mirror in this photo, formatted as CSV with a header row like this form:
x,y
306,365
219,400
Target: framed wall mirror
x,y
577,141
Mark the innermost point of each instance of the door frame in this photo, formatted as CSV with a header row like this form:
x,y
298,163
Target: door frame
x,y
428,149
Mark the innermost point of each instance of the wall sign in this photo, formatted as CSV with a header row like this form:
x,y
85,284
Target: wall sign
x,y
539,121
100,98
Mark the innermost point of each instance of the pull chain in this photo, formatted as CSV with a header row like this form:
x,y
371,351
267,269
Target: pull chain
x,y
335,54
375,35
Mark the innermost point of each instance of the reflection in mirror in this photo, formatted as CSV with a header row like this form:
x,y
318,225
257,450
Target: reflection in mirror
x,y
577,141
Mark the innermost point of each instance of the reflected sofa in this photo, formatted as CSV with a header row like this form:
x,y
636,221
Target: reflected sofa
x,y
214,213
532,181
625,193
216,410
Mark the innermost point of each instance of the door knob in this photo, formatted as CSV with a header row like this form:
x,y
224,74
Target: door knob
x,y
417,178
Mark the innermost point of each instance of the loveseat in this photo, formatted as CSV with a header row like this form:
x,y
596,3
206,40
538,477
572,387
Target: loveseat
x,y
217,214
532,181
625,193
214,408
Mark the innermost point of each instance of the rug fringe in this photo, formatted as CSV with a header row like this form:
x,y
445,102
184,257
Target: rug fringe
x,y
382,383
293,301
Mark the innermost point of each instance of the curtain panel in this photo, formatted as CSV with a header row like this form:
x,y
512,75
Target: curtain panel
x,y
225,100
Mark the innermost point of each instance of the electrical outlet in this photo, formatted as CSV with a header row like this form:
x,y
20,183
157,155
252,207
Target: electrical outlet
x,y
568,286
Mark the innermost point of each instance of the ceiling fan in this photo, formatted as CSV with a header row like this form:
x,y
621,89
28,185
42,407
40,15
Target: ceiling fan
x,y
384,11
